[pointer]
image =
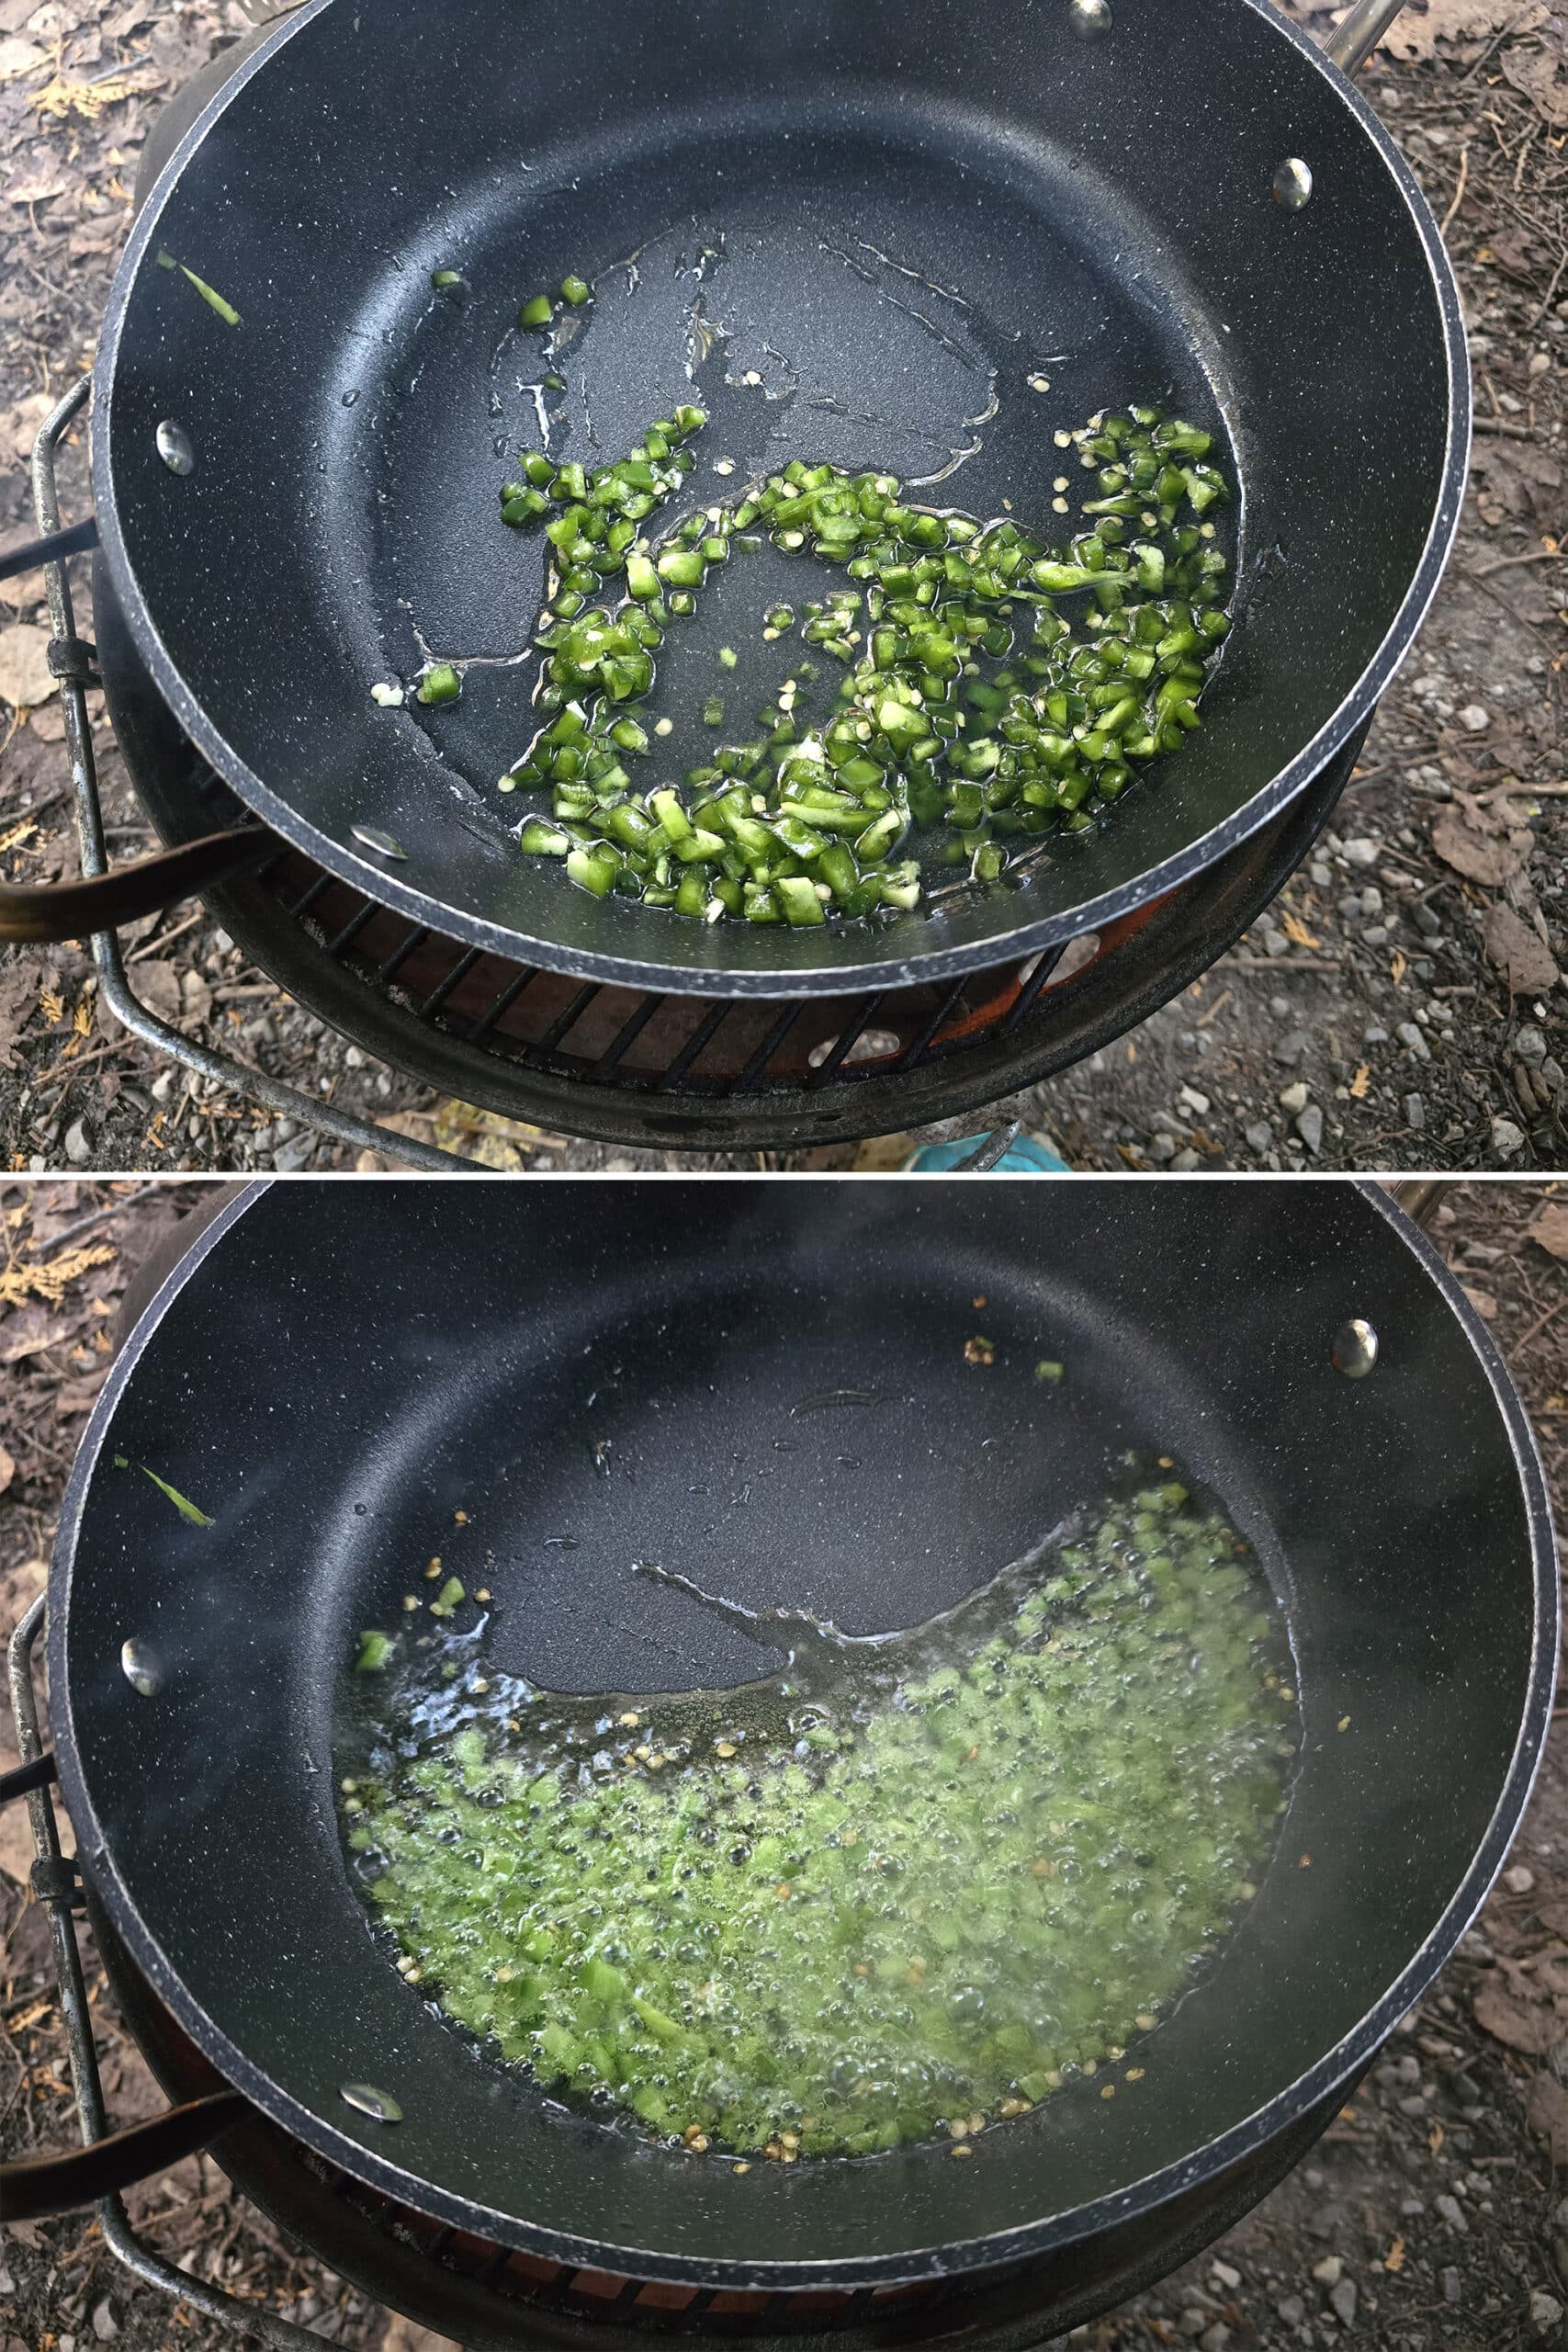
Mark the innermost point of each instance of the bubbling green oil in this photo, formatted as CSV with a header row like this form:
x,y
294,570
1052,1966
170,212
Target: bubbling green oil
x,y
903,1890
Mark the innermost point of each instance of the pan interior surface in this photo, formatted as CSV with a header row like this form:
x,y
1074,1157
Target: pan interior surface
x,y
828,283
865,236
334,1396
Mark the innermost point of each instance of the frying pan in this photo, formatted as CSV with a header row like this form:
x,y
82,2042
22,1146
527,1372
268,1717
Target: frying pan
x,y
333,1375
864,235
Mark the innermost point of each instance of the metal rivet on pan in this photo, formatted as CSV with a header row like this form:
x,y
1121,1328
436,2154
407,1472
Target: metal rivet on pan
x,y
1355,1349
173,448
380,2106
141,1667
374,837
1292,184
1089,19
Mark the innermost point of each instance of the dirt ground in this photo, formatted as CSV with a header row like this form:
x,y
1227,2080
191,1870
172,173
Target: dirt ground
x,y
1400,1006
1432,2218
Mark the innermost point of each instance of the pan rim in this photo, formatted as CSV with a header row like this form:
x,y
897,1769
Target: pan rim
x,y
769,982
1023,2242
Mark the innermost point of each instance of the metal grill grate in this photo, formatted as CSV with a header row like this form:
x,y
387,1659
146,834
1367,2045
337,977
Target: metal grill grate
x,y
610,2306
656,1070
597,1034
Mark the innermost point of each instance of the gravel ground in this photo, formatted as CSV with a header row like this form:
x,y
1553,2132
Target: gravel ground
x,y
1399,1007
1432,2218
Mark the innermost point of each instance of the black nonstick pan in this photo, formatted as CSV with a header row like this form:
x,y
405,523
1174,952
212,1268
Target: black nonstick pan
x,y
332,1377
865,235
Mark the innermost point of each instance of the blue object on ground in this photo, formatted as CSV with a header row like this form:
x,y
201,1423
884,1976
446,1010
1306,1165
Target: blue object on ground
x,y
1027,1156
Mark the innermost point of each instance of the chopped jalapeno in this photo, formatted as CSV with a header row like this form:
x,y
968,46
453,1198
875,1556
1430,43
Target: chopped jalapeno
x,y
440,684
905,1896
920,737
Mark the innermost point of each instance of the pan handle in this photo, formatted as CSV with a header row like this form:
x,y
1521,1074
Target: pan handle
x,y
25,1778
50,910
33,554
42,2184
37,914
1356,36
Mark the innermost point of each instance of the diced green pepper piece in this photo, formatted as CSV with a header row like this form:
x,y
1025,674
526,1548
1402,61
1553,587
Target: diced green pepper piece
x,y
539,840
798,897
440,684
682,566
593,870
1061,579
525,506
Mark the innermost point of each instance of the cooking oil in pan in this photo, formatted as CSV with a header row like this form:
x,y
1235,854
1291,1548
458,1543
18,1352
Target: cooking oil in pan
x,y
907,1888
